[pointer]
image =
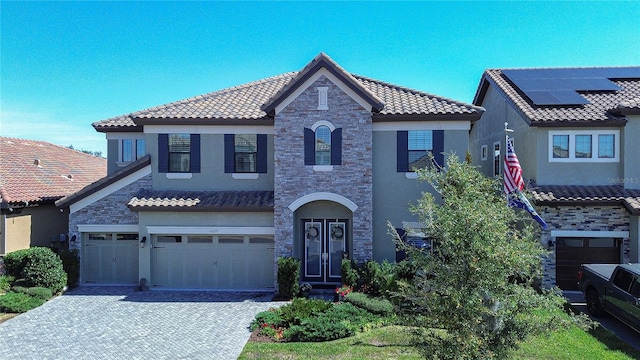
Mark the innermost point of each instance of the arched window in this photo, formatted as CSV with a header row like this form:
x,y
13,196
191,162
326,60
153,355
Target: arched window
x,y
323,145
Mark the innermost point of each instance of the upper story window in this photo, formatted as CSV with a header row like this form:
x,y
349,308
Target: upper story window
x,y
245,153
484,151
414,147
420,145
132,149
179,153
584,146
323,145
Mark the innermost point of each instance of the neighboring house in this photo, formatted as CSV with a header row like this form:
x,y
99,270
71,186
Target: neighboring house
x,y
33,175
577,137
210,191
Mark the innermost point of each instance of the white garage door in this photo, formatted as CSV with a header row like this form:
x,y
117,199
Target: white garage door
x,y
110,258
213,262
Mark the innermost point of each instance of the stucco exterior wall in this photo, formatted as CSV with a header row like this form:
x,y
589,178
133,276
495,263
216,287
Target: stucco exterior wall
x,y
212,175
573,173
352,180
631,153
394,193
34,226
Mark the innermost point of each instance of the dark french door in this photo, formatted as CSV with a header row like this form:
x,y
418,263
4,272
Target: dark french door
x,y
325,244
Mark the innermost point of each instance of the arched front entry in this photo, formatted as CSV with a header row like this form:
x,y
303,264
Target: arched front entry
x,y
322,238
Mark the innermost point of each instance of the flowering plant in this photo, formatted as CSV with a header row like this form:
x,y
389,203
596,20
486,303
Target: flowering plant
x,y
344,290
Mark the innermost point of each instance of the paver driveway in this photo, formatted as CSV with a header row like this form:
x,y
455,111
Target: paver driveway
x,y
121,323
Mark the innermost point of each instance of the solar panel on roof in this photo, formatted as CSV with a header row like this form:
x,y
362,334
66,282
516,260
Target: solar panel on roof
x,y
560,86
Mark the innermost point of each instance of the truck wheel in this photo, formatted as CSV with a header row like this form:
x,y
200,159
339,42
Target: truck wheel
x,y
593,303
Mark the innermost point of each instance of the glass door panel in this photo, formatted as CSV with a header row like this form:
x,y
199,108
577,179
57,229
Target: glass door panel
x,y
337,234
313,248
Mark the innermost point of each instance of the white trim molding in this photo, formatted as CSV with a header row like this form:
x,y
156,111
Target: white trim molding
x,y
81,204
422,125
323,196
110,228
317,124
179,176
322,72
323,99
594,146
592,234
245,176
411,175
322,167
206,230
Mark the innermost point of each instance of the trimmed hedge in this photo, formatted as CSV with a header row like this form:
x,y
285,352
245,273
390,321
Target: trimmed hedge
x,y
36,267
374,305
71,266
38,292
15,302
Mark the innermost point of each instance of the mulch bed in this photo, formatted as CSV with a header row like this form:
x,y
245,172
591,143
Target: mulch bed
x,y
256,336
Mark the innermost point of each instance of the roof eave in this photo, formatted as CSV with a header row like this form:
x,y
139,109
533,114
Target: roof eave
x,y
426,117
204,121
199,208
109,129
579,123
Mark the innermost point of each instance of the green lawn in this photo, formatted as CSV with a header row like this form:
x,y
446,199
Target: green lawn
x,y
391,342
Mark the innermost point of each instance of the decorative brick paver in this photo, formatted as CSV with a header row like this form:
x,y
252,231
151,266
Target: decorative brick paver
x,y
122,323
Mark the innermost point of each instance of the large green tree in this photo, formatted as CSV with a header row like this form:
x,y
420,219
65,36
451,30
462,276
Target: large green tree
x,y
474,295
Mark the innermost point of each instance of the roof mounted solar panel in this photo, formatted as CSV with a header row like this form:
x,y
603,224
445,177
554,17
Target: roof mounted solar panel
x,y
561,86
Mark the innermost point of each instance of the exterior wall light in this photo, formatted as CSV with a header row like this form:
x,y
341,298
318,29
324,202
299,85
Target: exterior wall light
x,y
143,241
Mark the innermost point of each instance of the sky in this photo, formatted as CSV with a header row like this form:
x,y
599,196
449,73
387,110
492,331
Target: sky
x,y
64,65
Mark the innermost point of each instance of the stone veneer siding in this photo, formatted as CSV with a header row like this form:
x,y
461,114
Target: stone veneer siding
x,y
580,218
352,179
110,210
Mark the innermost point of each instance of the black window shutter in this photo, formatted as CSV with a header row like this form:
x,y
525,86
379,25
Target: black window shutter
x,y
403,151
229,153
163,153
336,147
309,147
262,153
195,153
438,147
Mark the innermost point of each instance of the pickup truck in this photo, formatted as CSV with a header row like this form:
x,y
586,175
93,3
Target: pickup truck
x,y
613,289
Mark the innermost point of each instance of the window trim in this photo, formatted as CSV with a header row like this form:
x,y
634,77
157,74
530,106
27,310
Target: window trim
x,y
335,154
484,152
594,146
497,169
254,153
134,149
169,152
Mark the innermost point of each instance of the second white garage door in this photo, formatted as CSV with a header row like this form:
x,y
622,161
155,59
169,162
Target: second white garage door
x,y
243,262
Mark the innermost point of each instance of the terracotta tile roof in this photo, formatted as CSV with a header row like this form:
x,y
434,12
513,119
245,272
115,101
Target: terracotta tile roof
x,y
600,112
572,194
172,200
104,182
245,103
37,171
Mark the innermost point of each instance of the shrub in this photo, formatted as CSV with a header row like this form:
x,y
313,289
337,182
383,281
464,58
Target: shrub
x,y
5,283
349,272
14,262
37,292
299,309
14,302
288,277
374,305
71,266
372,278
318,329
269,317
37,266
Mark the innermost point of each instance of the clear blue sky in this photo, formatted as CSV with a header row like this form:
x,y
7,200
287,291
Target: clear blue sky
x,y
65,65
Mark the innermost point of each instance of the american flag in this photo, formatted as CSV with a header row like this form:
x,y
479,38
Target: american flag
x,y
512,170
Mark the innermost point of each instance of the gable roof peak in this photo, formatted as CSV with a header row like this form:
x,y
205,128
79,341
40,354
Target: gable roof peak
x,y
320,61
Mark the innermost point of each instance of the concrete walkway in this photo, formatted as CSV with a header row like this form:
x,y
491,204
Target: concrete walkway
x,y
121,323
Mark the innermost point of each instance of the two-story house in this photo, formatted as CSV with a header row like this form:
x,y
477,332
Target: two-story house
x,y
210,191
577,137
